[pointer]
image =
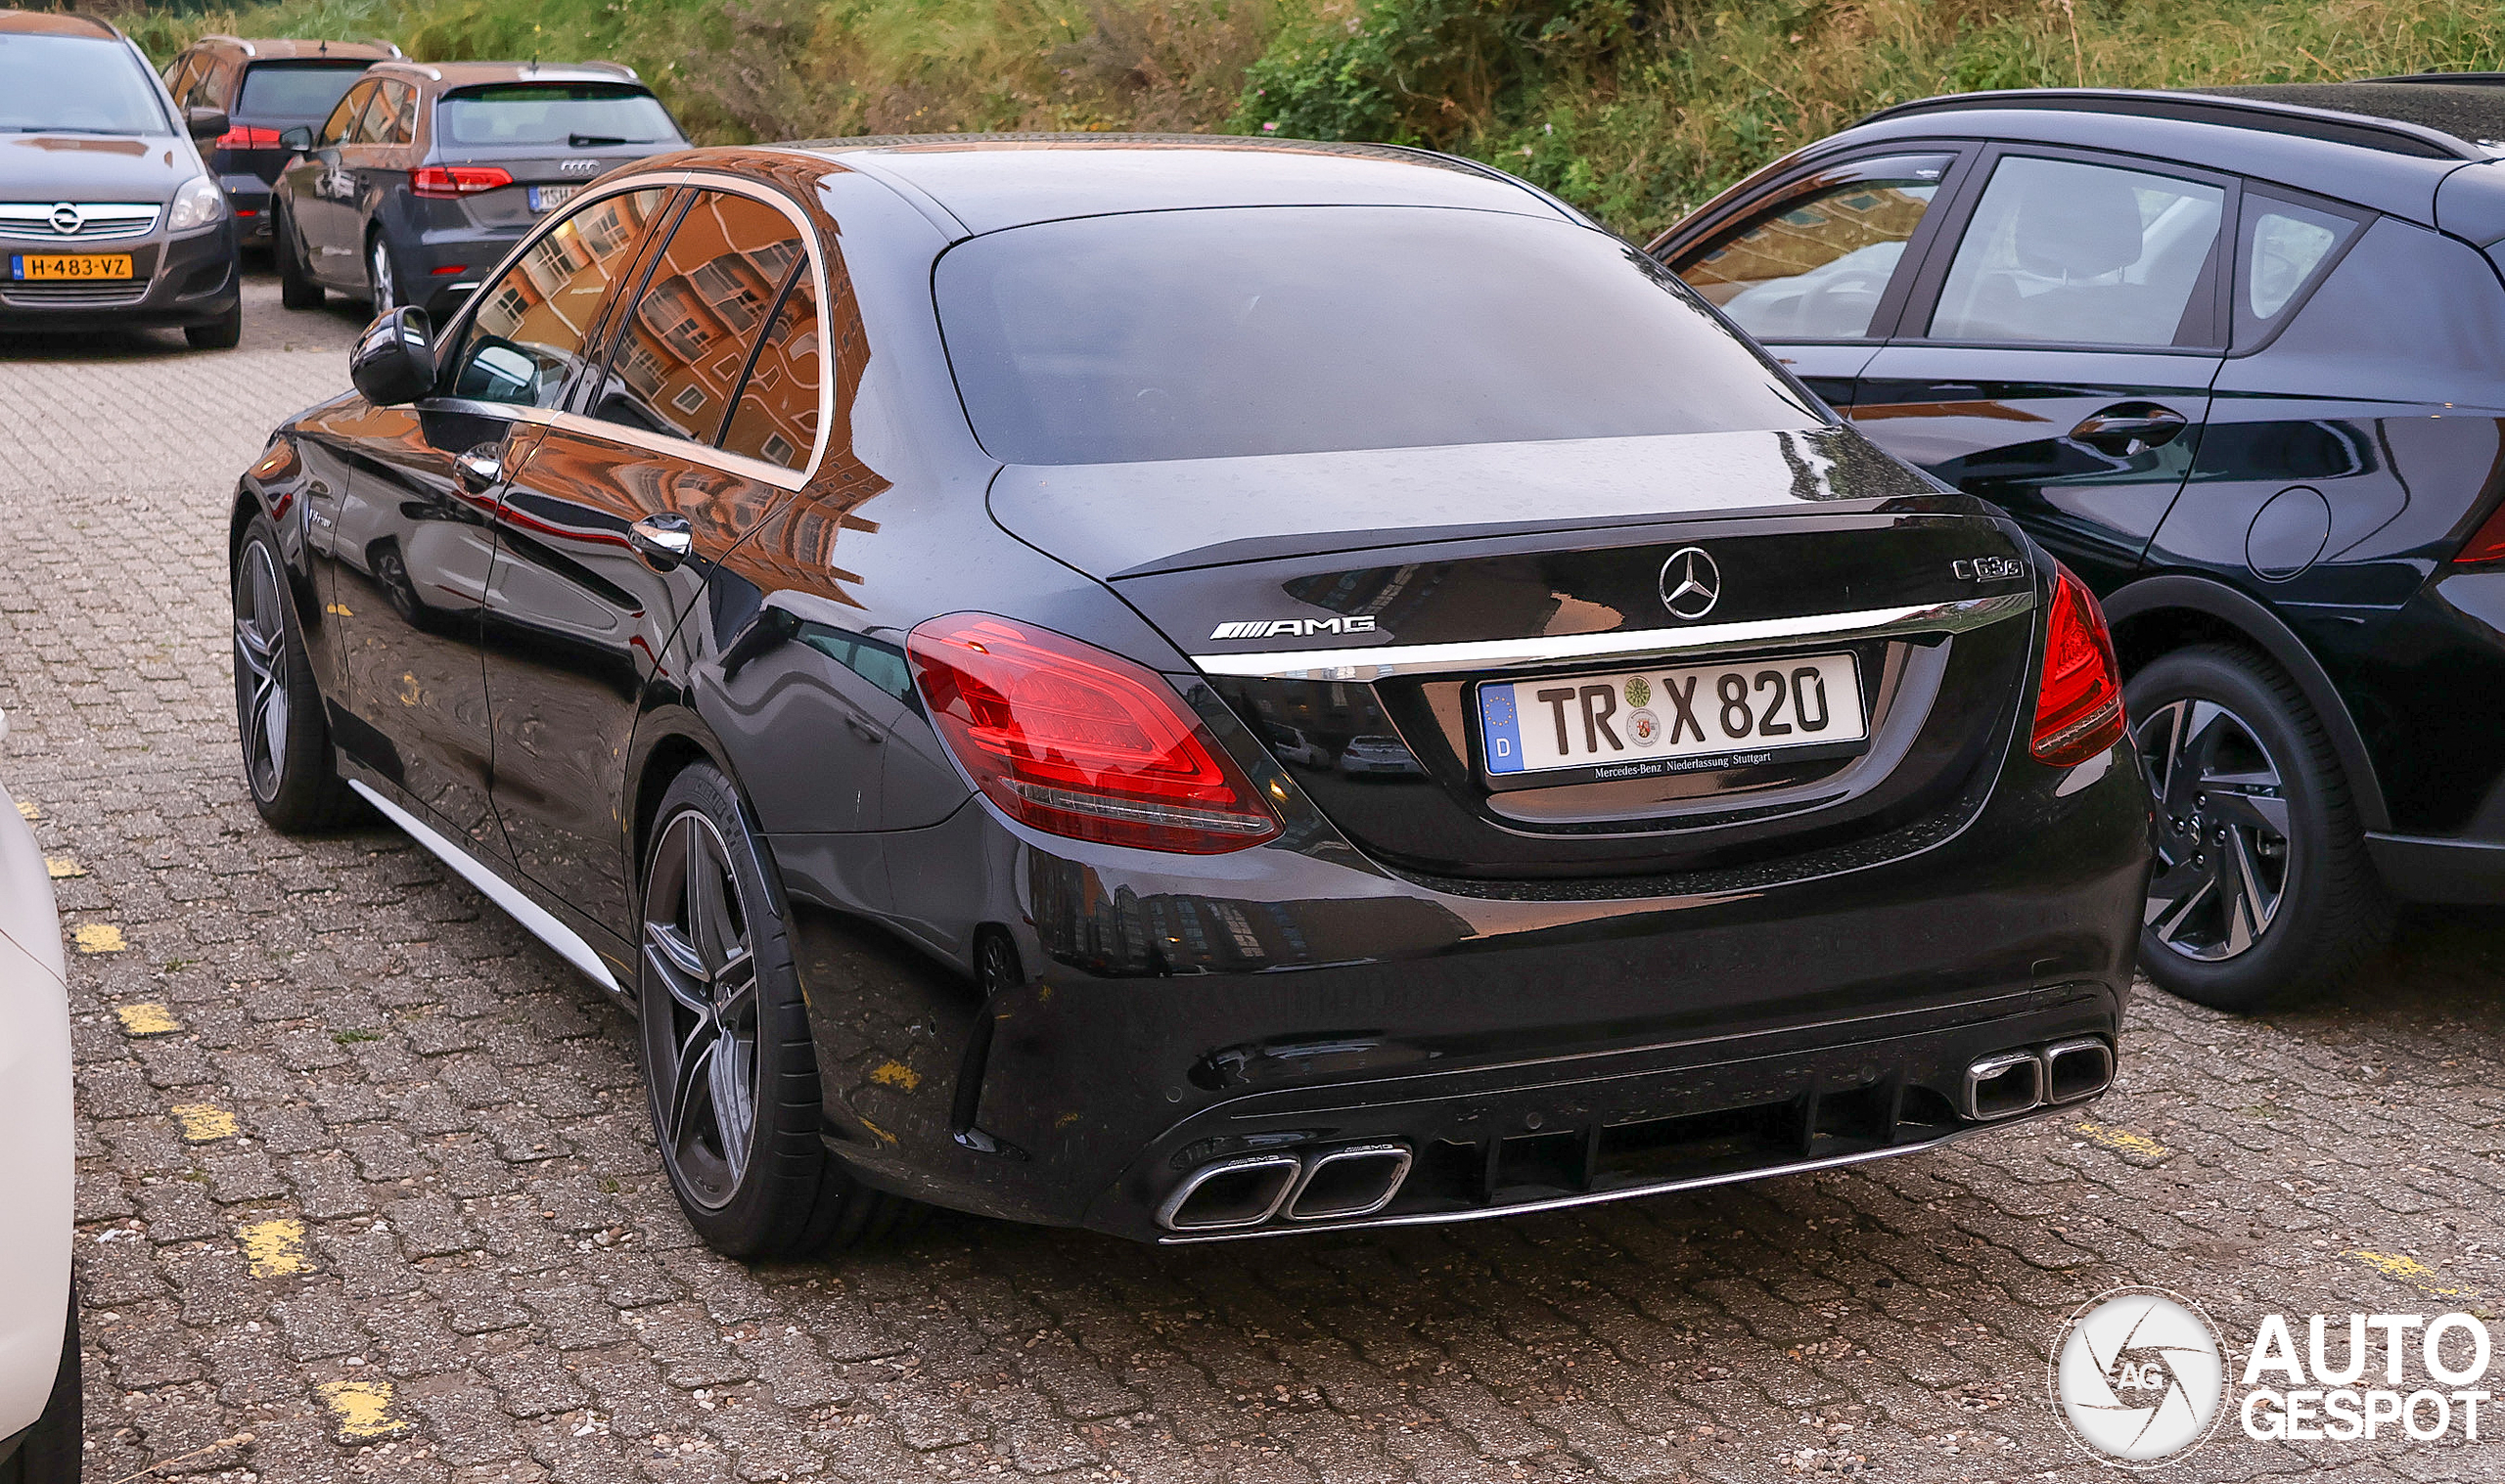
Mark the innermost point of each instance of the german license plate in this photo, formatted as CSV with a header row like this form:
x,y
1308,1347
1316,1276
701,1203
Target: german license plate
x,y
57,267
1649,723
549,197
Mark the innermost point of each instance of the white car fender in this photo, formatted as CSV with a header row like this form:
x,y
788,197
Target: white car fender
x,y
37,1168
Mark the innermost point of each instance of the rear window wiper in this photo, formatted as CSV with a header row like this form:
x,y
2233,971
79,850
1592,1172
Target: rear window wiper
x,y
594,141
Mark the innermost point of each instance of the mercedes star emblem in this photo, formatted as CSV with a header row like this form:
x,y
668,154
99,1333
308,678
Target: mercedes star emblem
x,y
1691,584
66,219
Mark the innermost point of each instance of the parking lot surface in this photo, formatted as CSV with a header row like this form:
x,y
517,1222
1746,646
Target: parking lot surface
x,y
368,1189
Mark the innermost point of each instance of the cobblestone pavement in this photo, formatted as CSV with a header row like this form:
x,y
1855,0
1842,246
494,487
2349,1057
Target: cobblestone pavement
x,y
368,1190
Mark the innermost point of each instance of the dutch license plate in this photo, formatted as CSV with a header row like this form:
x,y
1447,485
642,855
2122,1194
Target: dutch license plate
x,y
1648,723
549,197
57,267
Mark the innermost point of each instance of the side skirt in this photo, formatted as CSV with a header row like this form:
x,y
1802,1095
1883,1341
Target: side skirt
x,y
569,944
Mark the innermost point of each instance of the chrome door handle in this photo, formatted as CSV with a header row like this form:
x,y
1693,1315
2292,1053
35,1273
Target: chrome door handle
x,y
663,540
481,468
2130,426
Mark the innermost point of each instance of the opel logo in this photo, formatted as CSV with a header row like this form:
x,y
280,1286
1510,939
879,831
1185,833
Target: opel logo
x,y
66,219
1691,584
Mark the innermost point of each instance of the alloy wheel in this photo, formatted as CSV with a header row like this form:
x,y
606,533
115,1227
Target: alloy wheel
x,y
701,1033
260,670
378,272
2224,849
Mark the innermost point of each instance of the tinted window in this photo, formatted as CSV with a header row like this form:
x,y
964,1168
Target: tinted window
x,y
683,349
295,89
374,120
2285,247
2081,254
342,119
1220,333
76,85
528,335
2407,314
1815,266
580,114
777,416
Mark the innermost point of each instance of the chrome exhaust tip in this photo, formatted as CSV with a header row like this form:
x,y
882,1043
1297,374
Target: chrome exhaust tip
x,y
2004,1085
1231,1193
2076,1069
1358,1181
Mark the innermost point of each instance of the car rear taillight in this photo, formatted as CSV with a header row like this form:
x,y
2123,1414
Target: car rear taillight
x,y
457,180
2079,704
245,136
2486,544
1072,739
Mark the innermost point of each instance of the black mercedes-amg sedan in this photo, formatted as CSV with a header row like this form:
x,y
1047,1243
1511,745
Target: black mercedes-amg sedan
x,y
2238,358
1197,690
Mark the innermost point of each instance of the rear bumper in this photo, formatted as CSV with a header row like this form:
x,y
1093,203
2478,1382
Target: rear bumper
x,y
193,281
250,196
1529,1047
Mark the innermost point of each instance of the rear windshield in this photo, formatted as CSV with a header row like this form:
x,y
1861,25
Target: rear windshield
x,y
568,115
296,89
75,85
1224,333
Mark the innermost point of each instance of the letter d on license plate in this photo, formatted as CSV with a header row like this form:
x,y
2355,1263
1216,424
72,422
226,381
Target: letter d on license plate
x,y
1648,723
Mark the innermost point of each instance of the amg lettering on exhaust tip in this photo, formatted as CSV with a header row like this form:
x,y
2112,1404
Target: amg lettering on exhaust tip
x,y
1300,628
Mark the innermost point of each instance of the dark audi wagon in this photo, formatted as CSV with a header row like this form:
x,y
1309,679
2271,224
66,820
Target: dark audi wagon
x,y
1196,689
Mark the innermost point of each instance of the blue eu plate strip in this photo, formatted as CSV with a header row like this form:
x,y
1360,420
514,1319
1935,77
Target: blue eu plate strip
x,y
1499,728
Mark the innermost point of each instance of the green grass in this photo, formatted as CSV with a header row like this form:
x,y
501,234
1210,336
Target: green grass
x,y
1636,109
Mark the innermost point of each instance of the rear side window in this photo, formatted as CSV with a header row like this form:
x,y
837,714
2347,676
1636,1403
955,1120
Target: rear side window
x,y
2404,314
562,114
295,90
776,417
2286,246
2065,252
1230,333
704,309
528,335
1815,267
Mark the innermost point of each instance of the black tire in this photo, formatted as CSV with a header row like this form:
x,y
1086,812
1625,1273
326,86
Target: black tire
x,y
50,1453
224,332
296,289
286,740
724,1025
2263,894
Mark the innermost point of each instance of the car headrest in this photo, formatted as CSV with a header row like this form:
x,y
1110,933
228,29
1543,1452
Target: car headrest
x,y
2077,223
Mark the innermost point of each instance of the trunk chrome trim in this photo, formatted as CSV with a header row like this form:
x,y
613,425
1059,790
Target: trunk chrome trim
x,y
569,944
1477,655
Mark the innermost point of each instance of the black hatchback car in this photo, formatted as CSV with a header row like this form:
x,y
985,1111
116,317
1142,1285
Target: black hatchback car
x,y
901,615
2239,360
264,88
422,178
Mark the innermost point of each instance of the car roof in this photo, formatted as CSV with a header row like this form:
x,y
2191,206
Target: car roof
x,y
56,24
288,48
446,75
988,182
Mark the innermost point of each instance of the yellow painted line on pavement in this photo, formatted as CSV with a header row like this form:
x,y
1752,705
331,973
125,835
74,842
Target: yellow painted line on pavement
x,y
2407,1270
98,937
364,1410
148,1018
2122,1140
275,1249
898,1074
27,810
61,867
204,1122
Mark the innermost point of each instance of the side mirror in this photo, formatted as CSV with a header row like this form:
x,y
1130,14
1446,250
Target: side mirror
x,y
394,359
298,139
205,124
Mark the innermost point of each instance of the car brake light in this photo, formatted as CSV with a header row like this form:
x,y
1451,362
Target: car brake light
x,y
245,136
2487,543
446,270
1071,740
457,180
2079,704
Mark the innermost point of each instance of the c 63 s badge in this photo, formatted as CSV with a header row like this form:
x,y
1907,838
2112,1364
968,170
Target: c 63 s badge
x,y
1988,568
1299,628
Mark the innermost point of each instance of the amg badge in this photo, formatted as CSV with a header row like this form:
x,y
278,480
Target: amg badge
x,y
1272,628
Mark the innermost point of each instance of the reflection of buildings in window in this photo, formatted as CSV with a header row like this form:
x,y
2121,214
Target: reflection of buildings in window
x,y
689,339
550,296
777,419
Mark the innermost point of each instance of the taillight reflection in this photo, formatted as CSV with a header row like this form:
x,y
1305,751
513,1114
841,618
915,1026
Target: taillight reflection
x,y
2078,704
245,136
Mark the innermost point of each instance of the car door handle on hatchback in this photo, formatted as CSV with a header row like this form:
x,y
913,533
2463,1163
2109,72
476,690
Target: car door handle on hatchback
x,y
663,540
2130,428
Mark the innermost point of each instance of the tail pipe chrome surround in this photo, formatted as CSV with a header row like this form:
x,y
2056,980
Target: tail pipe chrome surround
x,y
1324,1185
2009,1083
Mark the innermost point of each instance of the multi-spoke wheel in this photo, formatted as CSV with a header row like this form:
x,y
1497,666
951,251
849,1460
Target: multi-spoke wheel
x,y
278,706
727,1052
2262,892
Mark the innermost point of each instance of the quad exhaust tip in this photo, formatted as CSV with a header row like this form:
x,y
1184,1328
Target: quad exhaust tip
x,y
2009,1083
1331,1184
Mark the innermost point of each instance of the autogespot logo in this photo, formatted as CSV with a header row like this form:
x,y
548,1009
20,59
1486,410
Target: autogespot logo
x,y
2137,1376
